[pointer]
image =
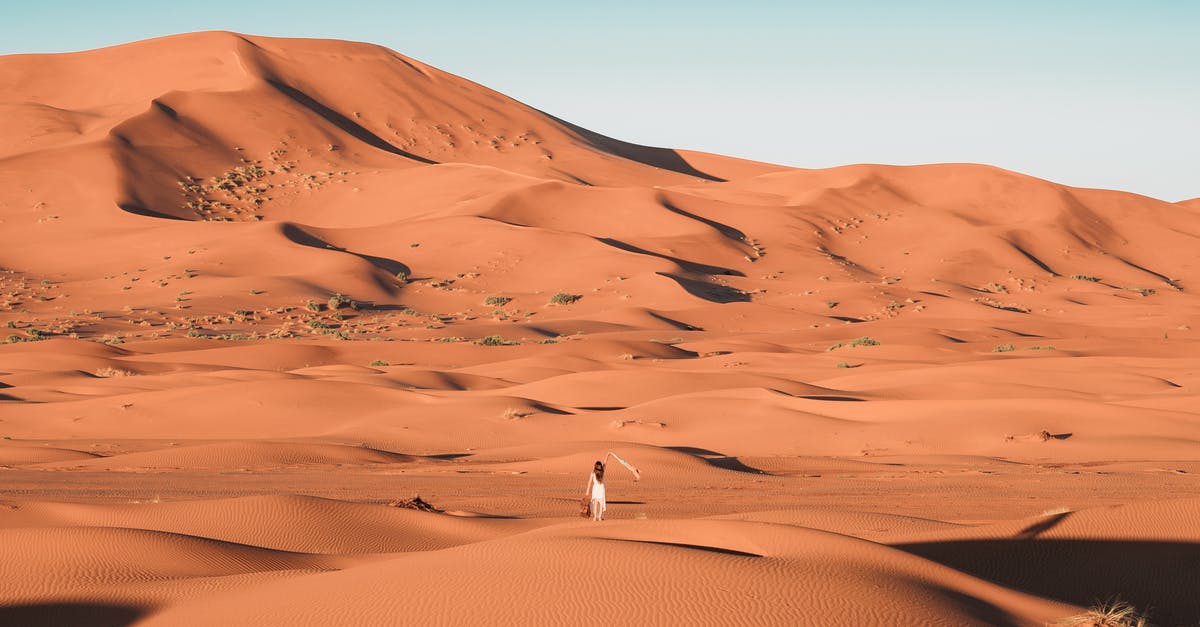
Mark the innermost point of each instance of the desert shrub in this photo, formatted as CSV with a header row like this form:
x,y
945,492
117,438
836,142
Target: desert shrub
x,y
379,362
495,340
337,301
1111,613
1004,348
313,306
1047,347
862,341
1084,277
108,372
497,301
842,364
317,324
563,298
402,276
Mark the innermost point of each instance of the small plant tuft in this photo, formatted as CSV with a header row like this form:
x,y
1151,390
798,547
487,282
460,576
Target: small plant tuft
x,y
495,340
1084,277
497,301
563,298
379,362
1111,613
1004,348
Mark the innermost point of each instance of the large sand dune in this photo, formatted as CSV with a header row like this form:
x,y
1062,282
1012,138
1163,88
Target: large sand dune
x,y
254,292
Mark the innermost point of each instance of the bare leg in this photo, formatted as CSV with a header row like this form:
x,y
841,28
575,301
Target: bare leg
x,y
597,512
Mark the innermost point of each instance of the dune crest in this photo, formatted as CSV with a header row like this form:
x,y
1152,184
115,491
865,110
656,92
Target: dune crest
x,y
308,331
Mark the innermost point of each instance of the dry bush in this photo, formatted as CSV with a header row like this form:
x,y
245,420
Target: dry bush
x,y
109,372
1111,613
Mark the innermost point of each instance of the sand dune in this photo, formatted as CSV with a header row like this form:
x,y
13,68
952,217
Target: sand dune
x,y
254,292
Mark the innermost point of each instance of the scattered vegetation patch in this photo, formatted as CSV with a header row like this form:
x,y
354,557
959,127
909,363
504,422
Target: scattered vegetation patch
x,y
313,306
378,363
1144,291
1047,347
862,341
1111,613
1004,348
337,301
109,372
497,301
513,413
563,298
1084,277
416,503
495,340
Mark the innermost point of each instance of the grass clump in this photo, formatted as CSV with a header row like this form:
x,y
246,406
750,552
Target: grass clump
x,y
337,301
1084,277
1004,348
109,372
313,306
497,301
495,340
563,298
1047,347
1111,613
862,341
379,362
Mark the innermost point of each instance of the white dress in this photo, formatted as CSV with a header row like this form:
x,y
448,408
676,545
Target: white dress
x,y
596,489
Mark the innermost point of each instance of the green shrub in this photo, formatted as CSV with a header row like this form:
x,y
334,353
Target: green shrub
x,y
1040,348
497,301
495,340
313,306
1084,277
563,298
862,341
1004,348
379,362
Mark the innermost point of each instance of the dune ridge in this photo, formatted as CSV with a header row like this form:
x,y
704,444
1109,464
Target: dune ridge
x,y
311,332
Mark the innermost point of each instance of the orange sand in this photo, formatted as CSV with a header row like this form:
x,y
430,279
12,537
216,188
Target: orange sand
x,y
207,435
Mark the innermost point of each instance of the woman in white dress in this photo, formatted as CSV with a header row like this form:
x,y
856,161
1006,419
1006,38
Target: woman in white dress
x,y
595,489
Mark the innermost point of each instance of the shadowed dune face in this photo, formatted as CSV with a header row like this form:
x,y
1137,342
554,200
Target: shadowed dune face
x,y
255,293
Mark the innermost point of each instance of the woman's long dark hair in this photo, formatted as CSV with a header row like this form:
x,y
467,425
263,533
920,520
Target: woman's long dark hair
x,y
598,470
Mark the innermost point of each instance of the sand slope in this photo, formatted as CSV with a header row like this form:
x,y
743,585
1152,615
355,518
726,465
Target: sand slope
x,y
254,290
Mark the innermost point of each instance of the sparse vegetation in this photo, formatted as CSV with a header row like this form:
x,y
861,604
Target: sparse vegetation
x,y
563,298
513,413
842,364
379,362
495,340
862,341
1111,613
1084,277
110,372
402,276
497,301
313,306
337,301
1004,348
1047,347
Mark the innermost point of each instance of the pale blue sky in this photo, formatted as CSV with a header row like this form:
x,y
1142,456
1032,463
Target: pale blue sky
x,y
1097,93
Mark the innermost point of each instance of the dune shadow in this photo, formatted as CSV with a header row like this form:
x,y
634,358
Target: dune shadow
x,y
299,236
694,547
662,158
717,460
690,266
1160,577
347,125
710,292
722,228
69,613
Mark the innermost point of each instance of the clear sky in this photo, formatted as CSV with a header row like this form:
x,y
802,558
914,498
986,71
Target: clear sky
x,y
1096,93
